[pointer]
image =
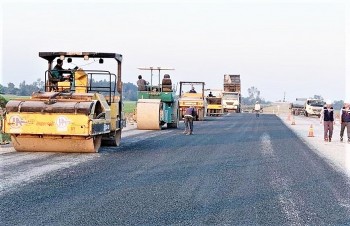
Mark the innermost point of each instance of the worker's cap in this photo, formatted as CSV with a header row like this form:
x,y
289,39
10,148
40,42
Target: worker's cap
x,y
257,102
328,102
347,102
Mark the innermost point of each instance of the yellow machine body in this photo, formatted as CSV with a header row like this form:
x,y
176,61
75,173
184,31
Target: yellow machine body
x,y
67,124
50,124
214,106
73,115
193,99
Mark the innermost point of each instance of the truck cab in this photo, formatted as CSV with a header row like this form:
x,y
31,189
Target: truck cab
x,y
313,107
231,96
231,101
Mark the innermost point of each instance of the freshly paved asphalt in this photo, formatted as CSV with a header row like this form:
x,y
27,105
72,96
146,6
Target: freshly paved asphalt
x,y
234,170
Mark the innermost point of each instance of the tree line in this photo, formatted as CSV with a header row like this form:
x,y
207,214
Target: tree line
x,y
24,89
129,91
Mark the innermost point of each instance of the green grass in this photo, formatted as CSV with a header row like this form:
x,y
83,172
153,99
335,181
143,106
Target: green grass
x,y
5,137
129,106
11,97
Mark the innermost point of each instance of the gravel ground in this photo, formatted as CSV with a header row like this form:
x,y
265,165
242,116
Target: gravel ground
x,y
336,153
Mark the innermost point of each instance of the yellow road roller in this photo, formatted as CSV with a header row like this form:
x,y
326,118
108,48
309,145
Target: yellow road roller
x,y
78,110
214,101
190,96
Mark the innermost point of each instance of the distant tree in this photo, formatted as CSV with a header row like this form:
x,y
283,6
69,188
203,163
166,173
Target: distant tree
x,y
130,91
22,89
319,97
27,90
254,94
39,84
338,104
11,89
3,101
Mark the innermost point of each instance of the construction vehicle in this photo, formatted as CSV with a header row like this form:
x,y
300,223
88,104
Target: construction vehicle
x,y
73,115
313,107
231,97
307,107
297,107
191,97
157,105
214,102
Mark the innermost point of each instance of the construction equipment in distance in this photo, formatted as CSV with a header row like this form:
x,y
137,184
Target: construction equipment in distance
x,y
157,105
231,97
73,115
214,101
195,99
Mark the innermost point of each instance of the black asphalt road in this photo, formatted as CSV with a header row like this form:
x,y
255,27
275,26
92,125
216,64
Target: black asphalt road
x,y
234,170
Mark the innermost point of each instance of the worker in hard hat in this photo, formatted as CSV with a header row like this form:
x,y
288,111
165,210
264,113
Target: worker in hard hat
x,y
327,118
189,116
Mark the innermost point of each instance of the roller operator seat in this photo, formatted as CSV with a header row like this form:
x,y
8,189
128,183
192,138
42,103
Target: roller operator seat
x,y
166,83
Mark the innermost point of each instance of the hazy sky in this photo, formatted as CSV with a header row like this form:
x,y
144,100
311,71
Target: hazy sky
x,y
297,47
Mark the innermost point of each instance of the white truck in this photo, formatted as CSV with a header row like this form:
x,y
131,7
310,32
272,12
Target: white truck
x,y
307,106
313,107
231,96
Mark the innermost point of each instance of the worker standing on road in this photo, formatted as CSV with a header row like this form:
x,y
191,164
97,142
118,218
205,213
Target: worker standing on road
x,y
345,120
257,109
190,114
327,117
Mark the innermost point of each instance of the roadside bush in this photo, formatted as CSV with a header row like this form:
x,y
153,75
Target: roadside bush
x,y
3,101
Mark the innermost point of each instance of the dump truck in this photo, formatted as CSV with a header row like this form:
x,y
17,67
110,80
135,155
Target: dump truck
x,y
231,96
75,114
158,104
214,102
190,97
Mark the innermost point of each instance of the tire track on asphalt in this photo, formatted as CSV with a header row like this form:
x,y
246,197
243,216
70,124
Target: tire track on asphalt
x,y
281,184
21,168
19,175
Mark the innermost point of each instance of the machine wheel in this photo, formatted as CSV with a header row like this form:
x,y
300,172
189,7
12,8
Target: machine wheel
x,y
148,114
56,143
177,113
175,124
112,140
97,142
200,115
